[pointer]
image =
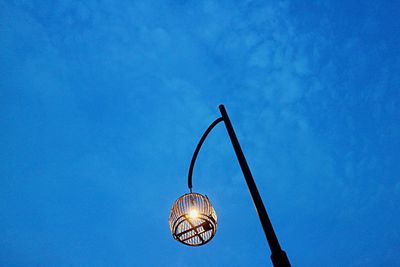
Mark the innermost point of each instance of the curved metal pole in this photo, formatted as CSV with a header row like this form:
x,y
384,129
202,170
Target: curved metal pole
x,y
278,256
203,138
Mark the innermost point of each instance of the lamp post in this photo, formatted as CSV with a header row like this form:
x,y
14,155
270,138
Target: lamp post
x,y
193,221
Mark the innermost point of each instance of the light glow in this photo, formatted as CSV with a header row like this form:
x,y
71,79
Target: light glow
x,y
193,214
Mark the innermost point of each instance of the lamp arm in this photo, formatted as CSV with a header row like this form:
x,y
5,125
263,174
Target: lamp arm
x,y
202,139
278,256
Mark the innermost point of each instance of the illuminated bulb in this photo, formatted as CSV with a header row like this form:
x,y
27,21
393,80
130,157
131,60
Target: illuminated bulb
x,y
193,214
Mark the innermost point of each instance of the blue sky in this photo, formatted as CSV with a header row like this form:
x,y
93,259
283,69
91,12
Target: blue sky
x,y
103,102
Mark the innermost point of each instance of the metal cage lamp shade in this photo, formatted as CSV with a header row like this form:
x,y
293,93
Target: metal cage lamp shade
x,y
193,220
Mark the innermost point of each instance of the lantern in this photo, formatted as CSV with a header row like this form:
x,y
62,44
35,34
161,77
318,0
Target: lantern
x,y
193,220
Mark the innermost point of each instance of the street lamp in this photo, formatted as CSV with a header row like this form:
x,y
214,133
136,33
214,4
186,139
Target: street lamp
x,y
193,220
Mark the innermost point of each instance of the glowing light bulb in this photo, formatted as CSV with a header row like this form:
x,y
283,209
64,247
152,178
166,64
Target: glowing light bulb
x,y
193,214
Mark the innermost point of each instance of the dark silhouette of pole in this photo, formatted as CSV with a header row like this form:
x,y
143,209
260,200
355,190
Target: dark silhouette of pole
x,y
196,152
278,256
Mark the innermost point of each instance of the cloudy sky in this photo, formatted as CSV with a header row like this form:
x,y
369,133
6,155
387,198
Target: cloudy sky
x,y
103,102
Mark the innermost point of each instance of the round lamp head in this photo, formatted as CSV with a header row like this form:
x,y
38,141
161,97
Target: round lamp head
x,y
193,220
